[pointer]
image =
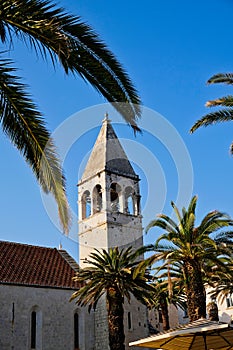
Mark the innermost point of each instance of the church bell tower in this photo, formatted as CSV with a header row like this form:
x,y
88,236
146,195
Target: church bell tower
x,y
109,216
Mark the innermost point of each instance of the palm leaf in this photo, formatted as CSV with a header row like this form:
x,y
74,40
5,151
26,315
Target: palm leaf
x,y
120,270
226,78
161,224
24,125
192,206
223,115
226,101
176,210
65,38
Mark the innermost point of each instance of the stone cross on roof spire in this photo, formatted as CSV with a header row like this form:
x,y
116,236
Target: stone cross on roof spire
x,y
106,119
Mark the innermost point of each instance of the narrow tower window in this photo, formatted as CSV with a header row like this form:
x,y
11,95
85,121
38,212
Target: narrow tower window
x,y
97,199
86,205
129,321
35,341
115,191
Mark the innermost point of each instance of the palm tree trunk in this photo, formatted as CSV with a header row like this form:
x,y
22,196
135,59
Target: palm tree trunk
x,y
115,319
195,291
164,312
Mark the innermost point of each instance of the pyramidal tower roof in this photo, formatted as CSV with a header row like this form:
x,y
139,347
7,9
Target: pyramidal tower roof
x,y
108,155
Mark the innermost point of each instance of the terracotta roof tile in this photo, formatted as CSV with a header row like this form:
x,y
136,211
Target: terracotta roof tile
x,y
36,266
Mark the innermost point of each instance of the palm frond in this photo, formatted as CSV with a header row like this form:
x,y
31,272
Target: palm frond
x,y
213,222
24,125
176,210
190,223
226,78
219,116
115,269
223,115
225,237
161,224
192,205
65,38
214,216
226,101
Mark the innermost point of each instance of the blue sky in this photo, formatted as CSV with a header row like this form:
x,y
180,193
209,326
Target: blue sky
x,y
170,49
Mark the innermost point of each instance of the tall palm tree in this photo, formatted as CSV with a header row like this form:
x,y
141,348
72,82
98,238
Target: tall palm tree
x,y
168,290
222,115
161,301
118,275
66,40
194,248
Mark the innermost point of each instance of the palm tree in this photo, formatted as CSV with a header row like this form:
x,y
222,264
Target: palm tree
x,y
66,40
168,290
161,300
194,249
118,275
222,115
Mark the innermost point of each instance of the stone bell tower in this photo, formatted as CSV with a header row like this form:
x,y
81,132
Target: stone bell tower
x,y
109,216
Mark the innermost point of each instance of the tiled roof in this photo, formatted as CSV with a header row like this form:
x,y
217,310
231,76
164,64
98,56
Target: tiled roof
x,y
35,266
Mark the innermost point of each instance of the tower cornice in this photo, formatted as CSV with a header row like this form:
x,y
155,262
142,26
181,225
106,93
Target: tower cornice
x,y
110,171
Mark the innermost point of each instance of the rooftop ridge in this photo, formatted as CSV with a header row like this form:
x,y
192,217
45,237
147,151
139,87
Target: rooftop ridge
x,y
27,245
71,261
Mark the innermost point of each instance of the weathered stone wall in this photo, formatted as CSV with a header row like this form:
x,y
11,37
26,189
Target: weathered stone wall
x,y
55,317
101,326
135,323
138,315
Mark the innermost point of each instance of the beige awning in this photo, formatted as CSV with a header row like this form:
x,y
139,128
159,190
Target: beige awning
x,y
198,335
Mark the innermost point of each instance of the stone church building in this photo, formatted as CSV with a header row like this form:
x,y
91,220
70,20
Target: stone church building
x,y
35,287
36,282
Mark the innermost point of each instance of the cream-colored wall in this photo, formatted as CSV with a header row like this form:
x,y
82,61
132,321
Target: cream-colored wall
x,y
57,319
225,313
107,229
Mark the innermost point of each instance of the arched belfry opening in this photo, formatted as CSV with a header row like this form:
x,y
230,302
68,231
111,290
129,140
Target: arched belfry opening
x,y
115,194
130,201
97,200
86,205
